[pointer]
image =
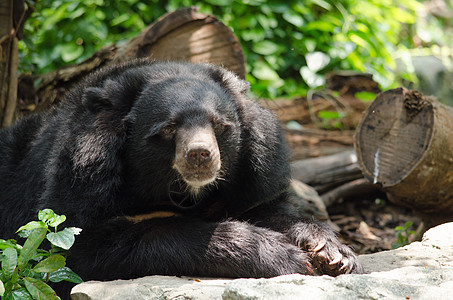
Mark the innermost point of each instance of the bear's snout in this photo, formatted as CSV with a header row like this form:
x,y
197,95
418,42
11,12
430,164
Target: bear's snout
x,y
198,154
197,157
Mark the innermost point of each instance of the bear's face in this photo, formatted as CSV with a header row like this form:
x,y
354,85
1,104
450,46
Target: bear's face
x,y
185,133
197,155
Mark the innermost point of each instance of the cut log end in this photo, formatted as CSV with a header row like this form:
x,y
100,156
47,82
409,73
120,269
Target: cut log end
x,y
398,130
404,142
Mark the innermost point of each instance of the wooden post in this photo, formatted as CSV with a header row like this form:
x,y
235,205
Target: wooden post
x,y
404,143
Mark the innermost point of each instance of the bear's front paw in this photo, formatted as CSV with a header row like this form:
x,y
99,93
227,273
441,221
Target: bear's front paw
x,y
328,255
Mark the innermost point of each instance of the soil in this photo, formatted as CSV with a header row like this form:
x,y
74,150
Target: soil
x,y
368,224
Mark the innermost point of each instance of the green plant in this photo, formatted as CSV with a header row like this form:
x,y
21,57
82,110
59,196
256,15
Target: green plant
x,y
331,119
402,234
26,269
289,45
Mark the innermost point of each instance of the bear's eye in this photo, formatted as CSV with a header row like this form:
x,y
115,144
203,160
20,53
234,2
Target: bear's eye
x,y
169,131
220,126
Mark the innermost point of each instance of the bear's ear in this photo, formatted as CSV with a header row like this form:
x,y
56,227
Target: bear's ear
x,y
108,96
94,100
229,80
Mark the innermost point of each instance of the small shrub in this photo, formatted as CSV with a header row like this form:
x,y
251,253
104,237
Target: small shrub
x,y
403,233
26,269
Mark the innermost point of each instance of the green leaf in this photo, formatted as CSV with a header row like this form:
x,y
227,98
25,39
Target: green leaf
x,y
2,288
31,244
46,214
50,217
120,19
63,239
21,294
267,22
6,244
279,7
311,78
403,16
323,4
15,275
9,262
365,96
75,230
50,264
32,225
39,290
293,18
265,47
220,2
262,71
65,274
320,25
329,115
70,52
24,233
317,60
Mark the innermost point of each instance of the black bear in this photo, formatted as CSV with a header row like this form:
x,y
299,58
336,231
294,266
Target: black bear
x,y
169,169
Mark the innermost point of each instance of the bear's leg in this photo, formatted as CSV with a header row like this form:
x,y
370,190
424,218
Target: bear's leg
x,y
184,246
328,255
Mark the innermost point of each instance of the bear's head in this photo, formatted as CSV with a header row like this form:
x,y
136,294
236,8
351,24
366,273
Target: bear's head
x,y
185,131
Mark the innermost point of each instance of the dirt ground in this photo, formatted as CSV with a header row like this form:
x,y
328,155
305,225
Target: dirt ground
x,y
368,224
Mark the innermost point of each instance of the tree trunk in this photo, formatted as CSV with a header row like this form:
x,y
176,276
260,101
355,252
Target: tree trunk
x,y
181,35
8,71
404,143
13,14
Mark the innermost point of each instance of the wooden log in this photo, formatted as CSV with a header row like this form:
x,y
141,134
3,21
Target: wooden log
x,y
352,189
183,35
326,173
350,82
307,143
189,36
305,111
404,143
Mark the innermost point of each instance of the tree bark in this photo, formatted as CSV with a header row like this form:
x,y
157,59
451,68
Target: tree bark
x,y
181,35
308,143
328,172
8,49
306,110
13,14
404,143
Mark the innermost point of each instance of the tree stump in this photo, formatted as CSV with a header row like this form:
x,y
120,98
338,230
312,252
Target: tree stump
x,y
404,143
182,35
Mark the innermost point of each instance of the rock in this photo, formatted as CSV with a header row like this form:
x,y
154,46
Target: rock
x,y
421,270
434,251
151,287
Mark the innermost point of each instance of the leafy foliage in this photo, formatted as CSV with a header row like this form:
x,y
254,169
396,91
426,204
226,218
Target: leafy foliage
x,y
402,235
289,45
27,269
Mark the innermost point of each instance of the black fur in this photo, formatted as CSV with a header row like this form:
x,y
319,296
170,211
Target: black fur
x,y
108,151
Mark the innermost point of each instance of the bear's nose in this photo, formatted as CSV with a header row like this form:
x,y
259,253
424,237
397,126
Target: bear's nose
x,y
198,155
